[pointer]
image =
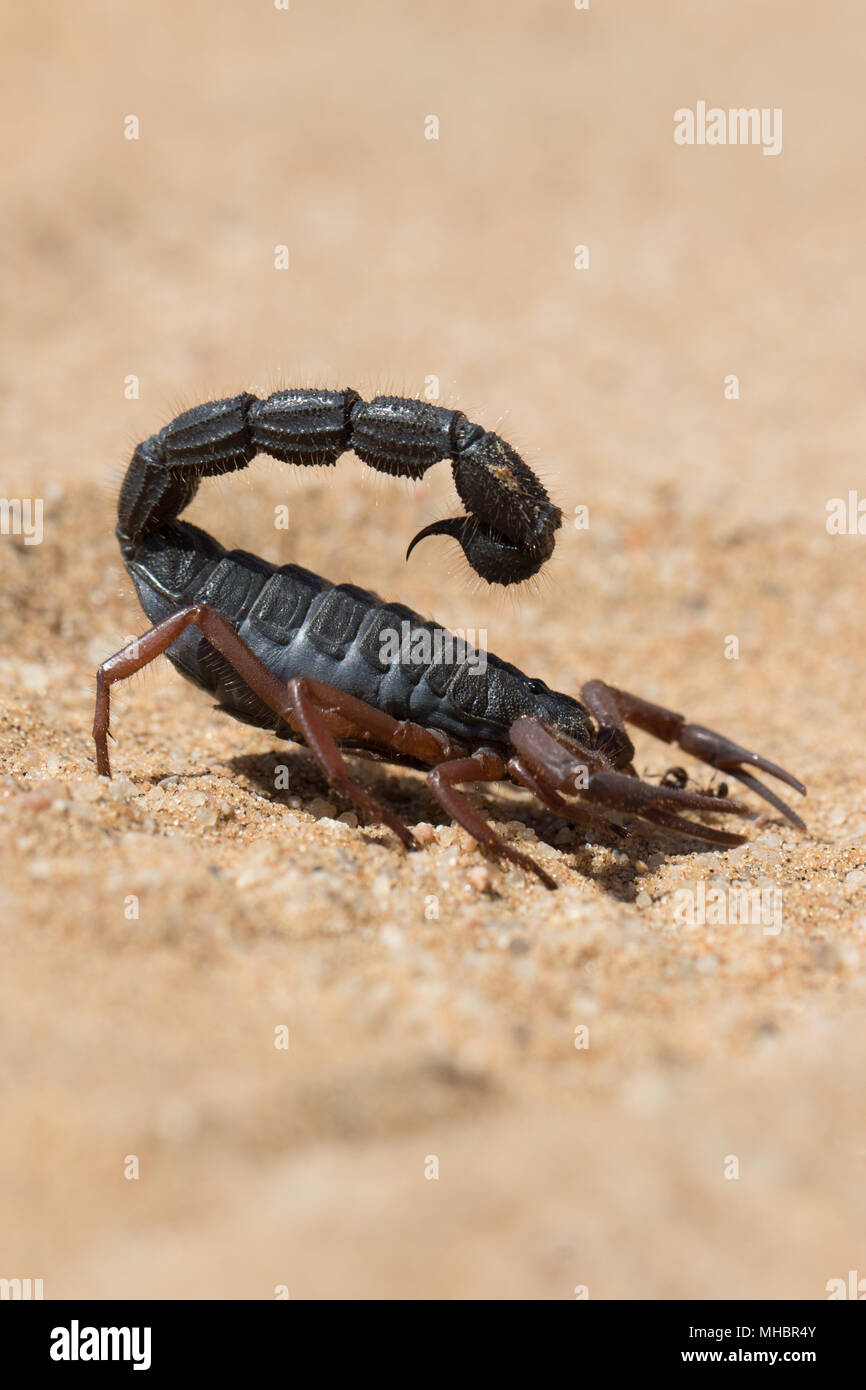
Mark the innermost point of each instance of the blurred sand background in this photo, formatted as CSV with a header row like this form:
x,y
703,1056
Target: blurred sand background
x,y
409,258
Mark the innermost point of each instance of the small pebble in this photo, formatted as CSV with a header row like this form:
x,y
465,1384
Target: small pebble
x,y
120,788
331,823
57,791
88,791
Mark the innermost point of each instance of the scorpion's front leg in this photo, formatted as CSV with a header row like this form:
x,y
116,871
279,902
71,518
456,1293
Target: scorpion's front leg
x,y
588,817
612,708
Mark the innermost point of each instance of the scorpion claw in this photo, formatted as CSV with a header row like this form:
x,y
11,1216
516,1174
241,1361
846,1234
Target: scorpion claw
x,y
760,790
621,792
666,820
729,757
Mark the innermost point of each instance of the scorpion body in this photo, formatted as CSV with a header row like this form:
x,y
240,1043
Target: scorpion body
x,y
285,650
298,624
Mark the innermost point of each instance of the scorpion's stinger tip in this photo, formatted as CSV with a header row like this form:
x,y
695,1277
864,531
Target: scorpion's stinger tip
x,y
453,526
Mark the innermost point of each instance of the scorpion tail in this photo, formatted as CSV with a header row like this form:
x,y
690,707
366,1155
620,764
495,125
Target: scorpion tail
x,y
509,528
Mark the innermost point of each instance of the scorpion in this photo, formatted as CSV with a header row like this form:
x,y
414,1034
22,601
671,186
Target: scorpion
x,y
285,650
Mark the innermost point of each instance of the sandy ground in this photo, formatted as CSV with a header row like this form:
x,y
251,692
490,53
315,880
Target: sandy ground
x,y
156,931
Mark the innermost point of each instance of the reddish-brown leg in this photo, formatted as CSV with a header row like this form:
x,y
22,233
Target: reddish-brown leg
x,y
612,708
145,649
483,766
312,708
533,781
312,703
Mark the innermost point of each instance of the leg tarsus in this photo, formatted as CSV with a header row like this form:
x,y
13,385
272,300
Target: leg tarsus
x,y
482,766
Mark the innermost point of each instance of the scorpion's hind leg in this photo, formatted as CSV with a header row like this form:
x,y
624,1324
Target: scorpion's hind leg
x,y
612,708
308,705
143,650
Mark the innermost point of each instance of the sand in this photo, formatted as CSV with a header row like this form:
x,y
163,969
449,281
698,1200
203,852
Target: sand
x,y
488,1090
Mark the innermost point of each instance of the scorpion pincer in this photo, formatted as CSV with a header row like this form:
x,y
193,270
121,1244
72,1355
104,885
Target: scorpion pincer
x,y
285,650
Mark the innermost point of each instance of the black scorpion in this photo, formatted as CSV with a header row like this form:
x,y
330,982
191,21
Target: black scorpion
x,y
285,650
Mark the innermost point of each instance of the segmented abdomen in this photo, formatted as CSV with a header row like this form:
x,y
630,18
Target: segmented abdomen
x,y
298,624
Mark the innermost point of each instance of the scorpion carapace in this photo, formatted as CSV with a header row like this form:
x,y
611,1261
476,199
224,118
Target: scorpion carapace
x,y
317,662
